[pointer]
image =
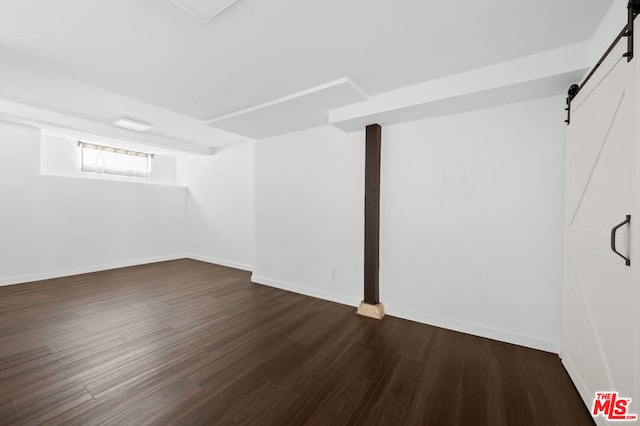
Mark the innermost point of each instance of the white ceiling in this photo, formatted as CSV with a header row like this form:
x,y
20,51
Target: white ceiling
x,y
298,111
153,56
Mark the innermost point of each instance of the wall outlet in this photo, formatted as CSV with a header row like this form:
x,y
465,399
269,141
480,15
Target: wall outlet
x,y
456,180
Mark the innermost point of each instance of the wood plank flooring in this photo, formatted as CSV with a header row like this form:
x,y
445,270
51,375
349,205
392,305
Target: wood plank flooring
x,y
189,343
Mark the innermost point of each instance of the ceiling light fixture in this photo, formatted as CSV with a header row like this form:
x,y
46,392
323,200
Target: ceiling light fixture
x,y
129,124
204,9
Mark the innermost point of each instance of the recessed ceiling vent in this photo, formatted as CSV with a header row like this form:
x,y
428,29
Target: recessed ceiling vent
x,y
204,9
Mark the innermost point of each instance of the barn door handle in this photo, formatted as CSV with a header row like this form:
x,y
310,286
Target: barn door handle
x,y
627,261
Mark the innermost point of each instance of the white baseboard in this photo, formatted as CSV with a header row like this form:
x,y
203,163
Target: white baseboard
x,y
438,321
115,265
307,291
221,262
474,329
425,318
87,269
587,397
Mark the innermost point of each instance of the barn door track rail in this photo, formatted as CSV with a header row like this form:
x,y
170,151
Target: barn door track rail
x,y
633,10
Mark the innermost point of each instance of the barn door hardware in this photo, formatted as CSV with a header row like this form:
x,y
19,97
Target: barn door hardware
x,y
627,261
573,91
633,9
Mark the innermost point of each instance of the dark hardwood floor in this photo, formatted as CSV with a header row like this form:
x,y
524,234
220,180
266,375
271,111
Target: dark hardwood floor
x,y
190,343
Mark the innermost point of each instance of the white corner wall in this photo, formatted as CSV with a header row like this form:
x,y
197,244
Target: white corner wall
x,y
480,254
471,221
483,256
56,226
308,213
220,205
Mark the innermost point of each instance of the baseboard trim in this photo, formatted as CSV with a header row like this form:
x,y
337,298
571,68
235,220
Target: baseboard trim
x,y
87,269
586,396
475,329
221,262
115,265
307,291
463,327
425,318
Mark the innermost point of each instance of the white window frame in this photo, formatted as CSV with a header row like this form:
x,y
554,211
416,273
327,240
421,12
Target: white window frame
x,y
114,161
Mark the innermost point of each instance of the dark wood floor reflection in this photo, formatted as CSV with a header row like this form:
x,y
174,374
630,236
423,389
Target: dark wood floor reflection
x,y
190,343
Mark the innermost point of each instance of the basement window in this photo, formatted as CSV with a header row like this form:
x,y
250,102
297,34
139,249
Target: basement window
x,y
114,161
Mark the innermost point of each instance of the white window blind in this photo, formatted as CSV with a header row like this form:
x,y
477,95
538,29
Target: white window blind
x,y
114,161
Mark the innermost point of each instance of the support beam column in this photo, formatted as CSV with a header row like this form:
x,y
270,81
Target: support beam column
x,y
371,306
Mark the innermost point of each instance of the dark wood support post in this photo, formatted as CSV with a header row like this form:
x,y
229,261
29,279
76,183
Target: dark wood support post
x,y
371,305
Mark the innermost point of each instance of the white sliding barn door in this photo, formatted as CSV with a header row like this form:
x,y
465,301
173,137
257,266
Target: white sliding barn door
x,y
601,297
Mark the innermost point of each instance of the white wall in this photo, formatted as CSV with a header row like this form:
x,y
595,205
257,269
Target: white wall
x,y
308,213
483,258
56,226
608,30
220,205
